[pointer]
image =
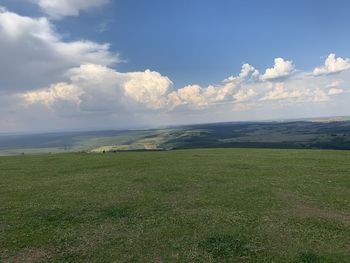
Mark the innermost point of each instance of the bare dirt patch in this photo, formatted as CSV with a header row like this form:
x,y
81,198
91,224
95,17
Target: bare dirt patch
x,y
303,210
30,256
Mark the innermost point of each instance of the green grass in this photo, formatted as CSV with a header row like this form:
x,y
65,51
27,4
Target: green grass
x,y
209,205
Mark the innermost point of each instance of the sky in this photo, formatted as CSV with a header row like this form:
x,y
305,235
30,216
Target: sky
x,y
120,64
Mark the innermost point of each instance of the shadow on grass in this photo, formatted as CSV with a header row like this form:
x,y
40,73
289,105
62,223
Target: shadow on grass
x,y
226,246
114,212
308,257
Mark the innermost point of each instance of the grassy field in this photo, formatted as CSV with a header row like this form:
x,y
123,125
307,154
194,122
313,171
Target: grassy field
x,y
208,205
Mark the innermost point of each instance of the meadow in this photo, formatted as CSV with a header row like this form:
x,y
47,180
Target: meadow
x,y
199,205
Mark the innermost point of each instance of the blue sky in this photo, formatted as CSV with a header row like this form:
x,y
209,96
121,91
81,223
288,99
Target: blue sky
x,y
201,41
196,42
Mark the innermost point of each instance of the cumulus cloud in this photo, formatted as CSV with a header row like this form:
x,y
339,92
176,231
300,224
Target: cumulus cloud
x,y
98,88
197,97
332,65
60,8
335,91
334,88
278,91
244,95
34,55
149,88
53,94
281,69
192,95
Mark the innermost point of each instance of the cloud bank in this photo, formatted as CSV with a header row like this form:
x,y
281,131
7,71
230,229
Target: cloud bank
x,y
96,87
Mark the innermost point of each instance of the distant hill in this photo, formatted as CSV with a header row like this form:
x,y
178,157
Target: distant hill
x,y
321,119
318,133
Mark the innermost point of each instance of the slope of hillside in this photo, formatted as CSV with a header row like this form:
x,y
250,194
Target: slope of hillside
x,y
296,135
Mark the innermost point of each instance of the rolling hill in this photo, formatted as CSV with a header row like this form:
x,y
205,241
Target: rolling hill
x,y
302,134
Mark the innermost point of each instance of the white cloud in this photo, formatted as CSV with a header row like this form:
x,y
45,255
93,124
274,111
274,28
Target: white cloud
x,y
334,88
335,91
192,95
149,88
281,69
196,97
246,70
244,95
53,94
60,8
99,88
232,83
296,91
332,65
278,92
33,55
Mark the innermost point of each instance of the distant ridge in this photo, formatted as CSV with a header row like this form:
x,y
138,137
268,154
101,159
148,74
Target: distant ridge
x,y
307,133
